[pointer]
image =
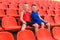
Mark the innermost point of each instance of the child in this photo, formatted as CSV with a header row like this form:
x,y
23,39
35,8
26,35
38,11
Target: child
x,y
37,20
25,17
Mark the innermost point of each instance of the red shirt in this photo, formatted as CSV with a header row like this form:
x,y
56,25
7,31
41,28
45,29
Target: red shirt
x,y
27,17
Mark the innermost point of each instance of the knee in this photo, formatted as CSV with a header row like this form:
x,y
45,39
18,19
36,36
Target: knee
x,y
36,25
42,23
23,24
48,24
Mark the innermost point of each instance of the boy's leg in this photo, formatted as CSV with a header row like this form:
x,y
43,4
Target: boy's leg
x,y
23,27
36,27
42,25
48,26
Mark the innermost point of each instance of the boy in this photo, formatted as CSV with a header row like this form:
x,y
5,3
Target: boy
x,y
37,20
25,17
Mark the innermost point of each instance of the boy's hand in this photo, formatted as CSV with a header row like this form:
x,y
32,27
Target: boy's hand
x,y
24,22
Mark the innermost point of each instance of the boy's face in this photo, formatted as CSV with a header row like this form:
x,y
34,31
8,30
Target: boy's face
x,y
25,6
34,8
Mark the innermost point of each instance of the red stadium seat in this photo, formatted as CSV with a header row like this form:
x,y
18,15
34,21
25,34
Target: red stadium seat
x,y
57,20
9,23
16,1
1,1
3,6
6,2
50,20
50,12
1,29
43,6
51,8
57,12
25,35
52,4
21,1
56,33
57,5
42,13
43,34
2,13
12,12
13,6
6,36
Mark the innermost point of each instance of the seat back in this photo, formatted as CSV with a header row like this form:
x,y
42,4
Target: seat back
x,y
57,19
57,12
8,21
6,36
56,33
25,35
50,12
11,12
1,11
43,34
49,19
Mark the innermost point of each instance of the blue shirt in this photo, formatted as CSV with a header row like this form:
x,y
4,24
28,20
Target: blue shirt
x,y
35,18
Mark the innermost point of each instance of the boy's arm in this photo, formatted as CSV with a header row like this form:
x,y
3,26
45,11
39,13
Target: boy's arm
x,y
41,18
21,17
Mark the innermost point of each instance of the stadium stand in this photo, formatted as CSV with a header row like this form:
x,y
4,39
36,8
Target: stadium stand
x,y
11,9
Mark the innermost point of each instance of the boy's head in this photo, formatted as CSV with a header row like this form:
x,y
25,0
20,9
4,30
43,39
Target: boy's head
x,y
34,7
25,6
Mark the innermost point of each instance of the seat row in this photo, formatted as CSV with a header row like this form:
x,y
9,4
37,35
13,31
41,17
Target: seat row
x,y
15,4
10,23
42,34
15,13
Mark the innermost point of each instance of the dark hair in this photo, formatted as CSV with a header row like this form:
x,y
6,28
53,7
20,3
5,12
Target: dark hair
x,y
25,3
33,4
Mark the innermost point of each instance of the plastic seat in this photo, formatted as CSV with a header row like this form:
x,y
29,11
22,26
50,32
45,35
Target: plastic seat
x,y
57,12
42,5
50,20
25,35
57,5
6,2
43,34
16,1
42,13
30,1
56,33
12,12
0,0
2,13
9,23
6,36
1,29
57,20
3,6
52,3
13,6
21,1
51,13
